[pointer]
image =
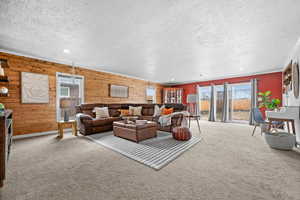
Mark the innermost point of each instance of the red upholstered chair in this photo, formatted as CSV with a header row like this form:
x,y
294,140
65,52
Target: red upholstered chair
x,y
181,133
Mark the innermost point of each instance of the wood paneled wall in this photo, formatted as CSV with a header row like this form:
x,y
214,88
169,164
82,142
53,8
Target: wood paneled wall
x,y
31,118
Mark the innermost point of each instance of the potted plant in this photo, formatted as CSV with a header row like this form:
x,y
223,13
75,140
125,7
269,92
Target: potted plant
x,y
275,139
265,101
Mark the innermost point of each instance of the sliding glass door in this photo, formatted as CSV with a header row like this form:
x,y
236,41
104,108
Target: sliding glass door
x,y
239,101
204,101
69,93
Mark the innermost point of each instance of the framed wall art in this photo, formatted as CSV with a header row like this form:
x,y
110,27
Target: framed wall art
x,y
35,88
118,91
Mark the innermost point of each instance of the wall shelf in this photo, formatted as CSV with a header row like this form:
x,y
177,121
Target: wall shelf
x,y
4,95
4,63
287,77
4,79
287,74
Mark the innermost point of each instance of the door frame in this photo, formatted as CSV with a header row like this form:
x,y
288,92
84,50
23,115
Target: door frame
x,y
234,120
57,90
199,98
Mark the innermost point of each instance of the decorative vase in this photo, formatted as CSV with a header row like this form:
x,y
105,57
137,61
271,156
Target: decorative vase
x,y
3,90
66,116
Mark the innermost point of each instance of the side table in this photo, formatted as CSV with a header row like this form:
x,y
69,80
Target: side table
x,y
62,124
196,117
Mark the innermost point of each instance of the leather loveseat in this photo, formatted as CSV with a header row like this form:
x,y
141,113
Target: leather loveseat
x,y
89,124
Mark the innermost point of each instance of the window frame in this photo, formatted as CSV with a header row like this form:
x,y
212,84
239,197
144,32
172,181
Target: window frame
x,y
68,89
232,106
81,81
230,85
154,94
200,99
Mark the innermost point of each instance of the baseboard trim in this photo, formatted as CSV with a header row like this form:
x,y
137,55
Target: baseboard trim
x,y
17,137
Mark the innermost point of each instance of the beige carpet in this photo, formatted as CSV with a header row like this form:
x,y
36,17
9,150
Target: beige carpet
x,y
227,164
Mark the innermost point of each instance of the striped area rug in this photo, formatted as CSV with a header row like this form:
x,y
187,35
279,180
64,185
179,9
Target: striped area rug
x,y
155,152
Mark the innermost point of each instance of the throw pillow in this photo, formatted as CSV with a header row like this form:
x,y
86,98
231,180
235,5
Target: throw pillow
x,y
157,111
137,111
114,112
161,109
124,112
101,112
85,116
167,111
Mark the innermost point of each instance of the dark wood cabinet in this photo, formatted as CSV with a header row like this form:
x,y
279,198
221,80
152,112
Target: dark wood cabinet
x,y
6,133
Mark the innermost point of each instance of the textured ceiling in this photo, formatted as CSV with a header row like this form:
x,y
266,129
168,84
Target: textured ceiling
x,y
158,40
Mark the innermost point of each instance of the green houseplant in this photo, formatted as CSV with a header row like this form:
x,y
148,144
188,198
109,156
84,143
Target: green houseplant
x,y
265,101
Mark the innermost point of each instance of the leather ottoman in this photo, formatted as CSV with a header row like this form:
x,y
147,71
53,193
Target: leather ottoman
x,y
181,133
135,132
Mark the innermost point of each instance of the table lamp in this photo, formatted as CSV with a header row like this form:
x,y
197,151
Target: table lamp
x,y
65,104
149,99
192,100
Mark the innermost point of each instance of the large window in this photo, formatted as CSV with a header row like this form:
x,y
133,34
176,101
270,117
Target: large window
x,y
151,94
69,94
204,101
239,101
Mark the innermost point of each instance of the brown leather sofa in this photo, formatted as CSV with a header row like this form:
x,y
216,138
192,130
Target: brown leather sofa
x,y
89,124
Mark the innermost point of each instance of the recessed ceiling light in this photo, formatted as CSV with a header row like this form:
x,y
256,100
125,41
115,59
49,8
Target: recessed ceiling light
x,y
172,79
241,69
67,51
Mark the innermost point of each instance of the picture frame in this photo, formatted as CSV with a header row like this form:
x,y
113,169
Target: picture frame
x,y
34,88
118,91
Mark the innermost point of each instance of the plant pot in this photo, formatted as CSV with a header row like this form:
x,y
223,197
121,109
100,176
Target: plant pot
x,y
280,140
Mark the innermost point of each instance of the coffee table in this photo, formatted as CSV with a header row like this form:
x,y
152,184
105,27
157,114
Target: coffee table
x,y
134,132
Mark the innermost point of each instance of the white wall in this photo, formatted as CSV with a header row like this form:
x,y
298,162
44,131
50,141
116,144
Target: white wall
x,y
295,56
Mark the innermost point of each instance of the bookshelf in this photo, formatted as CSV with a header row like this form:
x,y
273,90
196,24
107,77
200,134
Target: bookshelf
x,y
172,95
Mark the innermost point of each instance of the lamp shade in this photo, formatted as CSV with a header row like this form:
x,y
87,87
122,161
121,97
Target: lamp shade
x,y
192,98
149,98
65,103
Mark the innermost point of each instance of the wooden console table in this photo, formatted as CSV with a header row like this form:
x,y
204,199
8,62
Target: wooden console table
x,y
62,124
282,120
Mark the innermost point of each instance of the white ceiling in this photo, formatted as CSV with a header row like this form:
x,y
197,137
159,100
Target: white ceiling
x,y
158,40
